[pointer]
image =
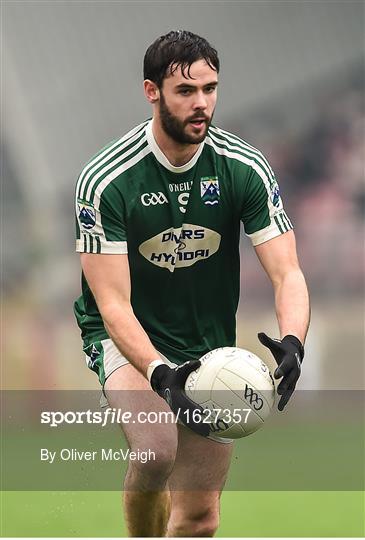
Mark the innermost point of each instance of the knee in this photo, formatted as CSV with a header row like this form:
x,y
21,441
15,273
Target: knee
x,y
199,524
152,464
157,462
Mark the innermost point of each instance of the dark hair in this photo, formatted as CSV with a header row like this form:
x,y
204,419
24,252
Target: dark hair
x,y
178,48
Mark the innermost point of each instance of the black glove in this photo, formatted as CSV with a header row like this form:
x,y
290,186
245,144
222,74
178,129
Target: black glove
x,y
169,383
288,353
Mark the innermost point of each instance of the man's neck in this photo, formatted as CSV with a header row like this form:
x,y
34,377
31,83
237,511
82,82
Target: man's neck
x,y
177,154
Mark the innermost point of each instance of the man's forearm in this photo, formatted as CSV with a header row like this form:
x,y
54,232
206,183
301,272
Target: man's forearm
x,y
128,335
169,383
292,305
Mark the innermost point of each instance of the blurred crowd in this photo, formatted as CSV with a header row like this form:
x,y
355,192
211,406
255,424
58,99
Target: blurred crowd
x,y
321,173
329,192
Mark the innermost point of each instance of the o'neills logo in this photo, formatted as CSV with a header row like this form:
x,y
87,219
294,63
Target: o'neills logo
x,y
178,248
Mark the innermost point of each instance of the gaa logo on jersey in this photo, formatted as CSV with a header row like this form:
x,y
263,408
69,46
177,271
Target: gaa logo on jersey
x,y
87,216
209,190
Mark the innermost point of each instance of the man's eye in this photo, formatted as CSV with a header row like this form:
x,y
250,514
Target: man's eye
x,y
185,92
210,89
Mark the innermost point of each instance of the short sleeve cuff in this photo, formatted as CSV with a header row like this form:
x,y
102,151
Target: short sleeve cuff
x,y
280,224
90,244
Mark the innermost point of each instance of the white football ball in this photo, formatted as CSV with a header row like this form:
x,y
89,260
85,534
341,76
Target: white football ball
x,y
236,390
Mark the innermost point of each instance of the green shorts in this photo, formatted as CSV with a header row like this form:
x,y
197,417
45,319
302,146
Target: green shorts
x,y
103,357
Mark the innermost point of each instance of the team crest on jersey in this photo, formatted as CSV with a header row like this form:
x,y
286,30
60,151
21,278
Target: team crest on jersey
x,y
87,215
209,190
275,195
94,355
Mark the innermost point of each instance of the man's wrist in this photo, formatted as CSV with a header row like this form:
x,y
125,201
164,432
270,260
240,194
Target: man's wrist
x,y
152,366
296,342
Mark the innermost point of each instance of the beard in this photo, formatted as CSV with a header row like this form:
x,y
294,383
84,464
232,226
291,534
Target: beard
x,y
175,128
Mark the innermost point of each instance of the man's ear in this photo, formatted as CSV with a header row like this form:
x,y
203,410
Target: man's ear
x,y
151,91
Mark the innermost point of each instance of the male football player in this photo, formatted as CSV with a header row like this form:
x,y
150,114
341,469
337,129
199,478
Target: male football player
x,y
158,227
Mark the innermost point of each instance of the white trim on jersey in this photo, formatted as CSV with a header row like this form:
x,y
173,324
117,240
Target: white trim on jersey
x,y
161,158
97,242
237,140
247,161
104,156
239,147
111,165
89,244
273,229
269,232
124,167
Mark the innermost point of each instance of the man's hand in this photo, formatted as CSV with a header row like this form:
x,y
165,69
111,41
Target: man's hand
x,y
288,353
169,383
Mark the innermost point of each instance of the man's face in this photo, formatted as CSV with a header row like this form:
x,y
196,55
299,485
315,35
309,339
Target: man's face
x,y
186,106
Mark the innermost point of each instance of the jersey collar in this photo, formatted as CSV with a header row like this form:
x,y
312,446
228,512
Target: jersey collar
x,y
161,158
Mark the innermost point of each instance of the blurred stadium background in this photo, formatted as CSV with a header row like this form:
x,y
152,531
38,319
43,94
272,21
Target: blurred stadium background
x,y
292,84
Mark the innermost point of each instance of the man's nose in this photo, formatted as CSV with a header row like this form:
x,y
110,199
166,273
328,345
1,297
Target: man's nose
x,y
200,101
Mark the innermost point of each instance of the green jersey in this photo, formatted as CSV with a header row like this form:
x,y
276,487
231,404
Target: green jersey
x,y
181,228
